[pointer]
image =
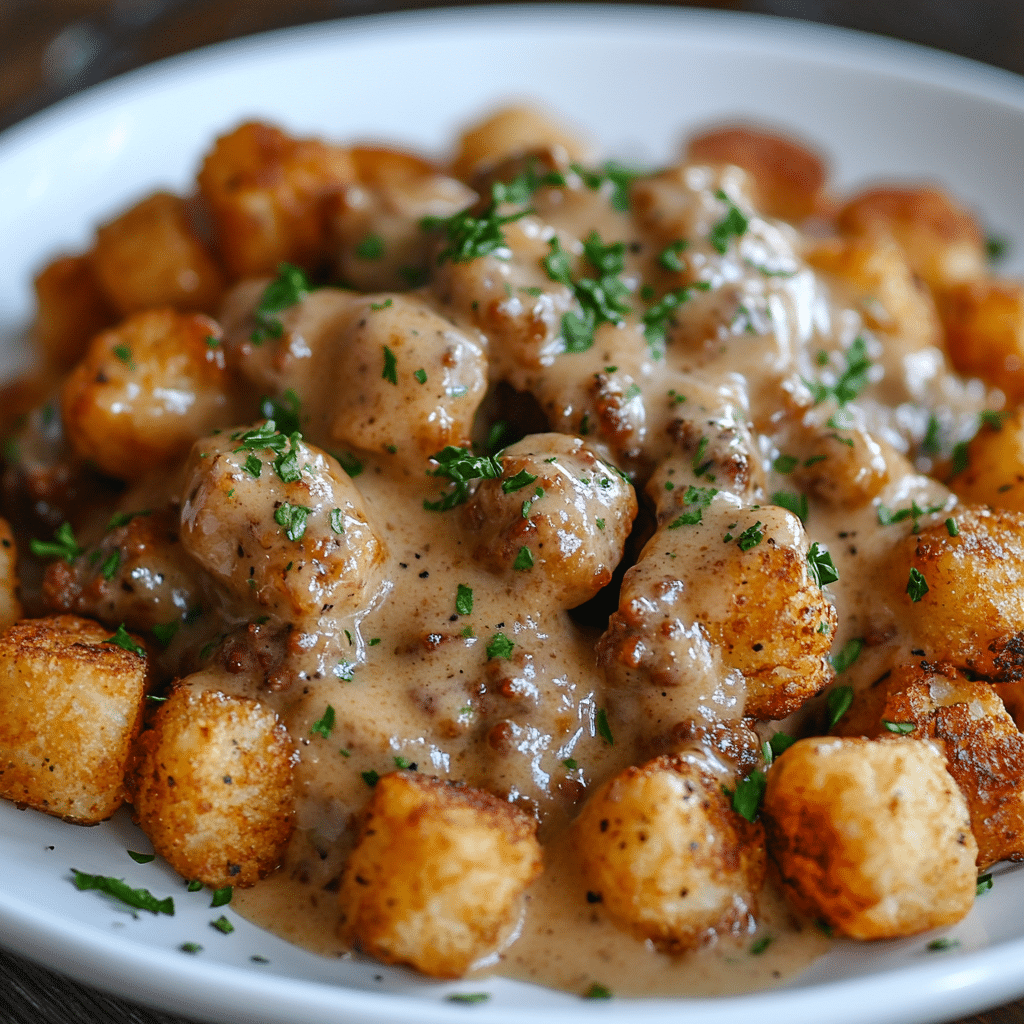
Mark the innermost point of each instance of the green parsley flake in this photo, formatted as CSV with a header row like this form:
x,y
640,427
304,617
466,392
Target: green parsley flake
x,y
900,728
125,642
325,725
194,886
124,518
733,225
984,884
658,318
370,248
996,248
600,524
960,459
952,528
421,376
63,545
819,564
518,482
603,728
371,778
780,743
785,463
284,411
223,925
390,371
931,442
597,991
669,256
751,537
348,462
289,287
524,559
838,703
747,799
851,382
469,997
211,341
403,763
190,947
938,945
698,498
917,585
461,467
792,501
760,945
336,521
464,600
292,518
222,896
470,237
140,899
499,646
378,306
253,466
570,763
124,353
111,564
141,858
848,655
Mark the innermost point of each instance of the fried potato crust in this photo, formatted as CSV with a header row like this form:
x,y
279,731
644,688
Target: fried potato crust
x,y
213,786
670,859
150,256
70,707
872,837
269,196
10,606
972,615
145,391
436,875
995,464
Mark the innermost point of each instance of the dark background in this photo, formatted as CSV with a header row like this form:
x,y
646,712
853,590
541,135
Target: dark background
x,y
52,48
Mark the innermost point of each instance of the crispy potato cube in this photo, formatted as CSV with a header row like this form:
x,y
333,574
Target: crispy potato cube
x,y
70,707
150,256
71,308
145,391
669,857
879,280
995,465
558,501
10,606
941,240
972,613
871,836
984,748
844,468
789,177
436,875
984,324
213,785
512,130
269,196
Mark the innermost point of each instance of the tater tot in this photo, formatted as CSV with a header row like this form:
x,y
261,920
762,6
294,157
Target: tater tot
x,y
871,837
789,177
150,256
436,875
70,309
269,196
961,597
511,130
994,474
560,504
70,707
10,606
984,323
941,240
213,786
670,859
145,391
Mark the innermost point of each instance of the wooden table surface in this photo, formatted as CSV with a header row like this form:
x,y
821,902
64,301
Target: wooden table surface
x,y
52,48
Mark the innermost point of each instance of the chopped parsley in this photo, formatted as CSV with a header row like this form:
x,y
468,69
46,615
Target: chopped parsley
x,y
785,463
289,287
984,884
421,376
141,858
819,564
292,518
371,778
751,537
190,947
266,437
124,354
140,899
792,501
659,316
697,499
518,482
570,763
390,371
760,945
336,521
499,646
464,600
470,237
370,248
780,742
996,248
461,467
194,886
851,382
348,462
63,545
746,801
597,991
222,896
886,516
524,559
960,459
733,225
111,564
952,528
838,703
403,763
123,640
938,945
848,655
284,411
124,518
917,585
469,997
618,176
900,728
669,256
223,925
603,728
324,725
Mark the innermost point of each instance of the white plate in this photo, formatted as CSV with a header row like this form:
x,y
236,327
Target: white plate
x,y
638,80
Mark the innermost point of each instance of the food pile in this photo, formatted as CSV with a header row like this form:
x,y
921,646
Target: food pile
x,y
387,530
